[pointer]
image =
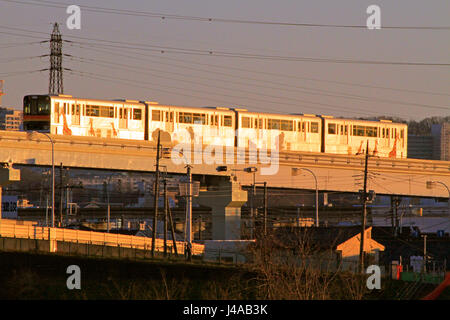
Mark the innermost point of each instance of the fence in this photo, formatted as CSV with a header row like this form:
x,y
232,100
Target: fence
x,y
10,229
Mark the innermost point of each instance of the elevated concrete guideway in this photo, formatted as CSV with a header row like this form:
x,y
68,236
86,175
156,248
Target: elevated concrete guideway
x,y
344,173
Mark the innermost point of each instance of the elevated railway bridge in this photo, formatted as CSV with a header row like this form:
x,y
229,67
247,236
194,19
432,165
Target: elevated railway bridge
x,y
341,173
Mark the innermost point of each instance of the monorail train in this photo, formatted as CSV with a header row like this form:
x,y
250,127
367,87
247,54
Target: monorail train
x,y
228,127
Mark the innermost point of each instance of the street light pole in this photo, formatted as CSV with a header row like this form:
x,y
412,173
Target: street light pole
x,y
53,174
429,185
317,194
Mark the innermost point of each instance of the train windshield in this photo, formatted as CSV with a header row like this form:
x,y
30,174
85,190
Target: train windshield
x,y
36,105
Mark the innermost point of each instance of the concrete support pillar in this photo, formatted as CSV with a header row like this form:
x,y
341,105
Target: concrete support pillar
x,y
52,239
226,201
325,199
7,175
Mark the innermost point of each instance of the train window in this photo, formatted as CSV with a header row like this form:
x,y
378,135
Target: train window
x,y
274,124
245,122
314,127
371,131
185,117
156,115
92,111
358,131
341,131
171,116
125,113
395,134
346,130
286,125
387,133
43,106
107,112
227,122
402,133
256,124
199,118
331,128
137,114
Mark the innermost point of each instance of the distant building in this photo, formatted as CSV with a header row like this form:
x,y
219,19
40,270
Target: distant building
x,y
441,141
420,147
432,147
11,119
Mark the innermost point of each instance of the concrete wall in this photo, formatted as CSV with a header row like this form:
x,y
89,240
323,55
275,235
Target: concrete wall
x,y
70,248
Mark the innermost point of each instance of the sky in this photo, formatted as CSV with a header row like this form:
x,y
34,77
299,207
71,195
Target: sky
x,y
181,61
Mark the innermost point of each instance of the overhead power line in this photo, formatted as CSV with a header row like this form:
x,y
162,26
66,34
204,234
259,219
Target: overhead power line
x,y
140,69
138,55
179,50
15,73
167,16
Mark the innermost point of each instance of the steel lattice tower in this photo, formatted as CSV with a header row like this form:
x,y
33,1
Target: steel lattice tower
x,y
56,74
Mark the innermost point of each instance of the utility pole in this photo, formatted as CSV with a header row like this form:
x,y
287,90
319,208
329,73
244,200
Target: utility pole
x,y
165,217
200,228
396,203
253,210
265,207
172,229
363,215
61,200
189,213
424,253
156,204
108,213
56,77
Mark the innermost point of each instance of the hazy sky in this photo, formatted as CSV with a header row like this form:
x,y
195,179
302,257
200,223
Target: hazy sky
x,y
110,70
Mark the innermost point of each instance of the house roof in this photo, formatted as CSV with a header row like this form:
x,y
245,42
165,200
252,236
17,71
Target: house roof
x,y
318,237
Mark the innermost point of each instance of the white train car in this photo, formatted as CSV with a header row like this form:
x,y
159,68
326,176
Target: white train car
x,y
292,132
204,126
131,119
66,115
349,136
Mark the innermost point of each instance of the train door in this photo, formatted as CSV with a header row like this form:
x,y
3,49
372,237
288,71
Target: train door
x,y
169,121
342,134
76,114
123,118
